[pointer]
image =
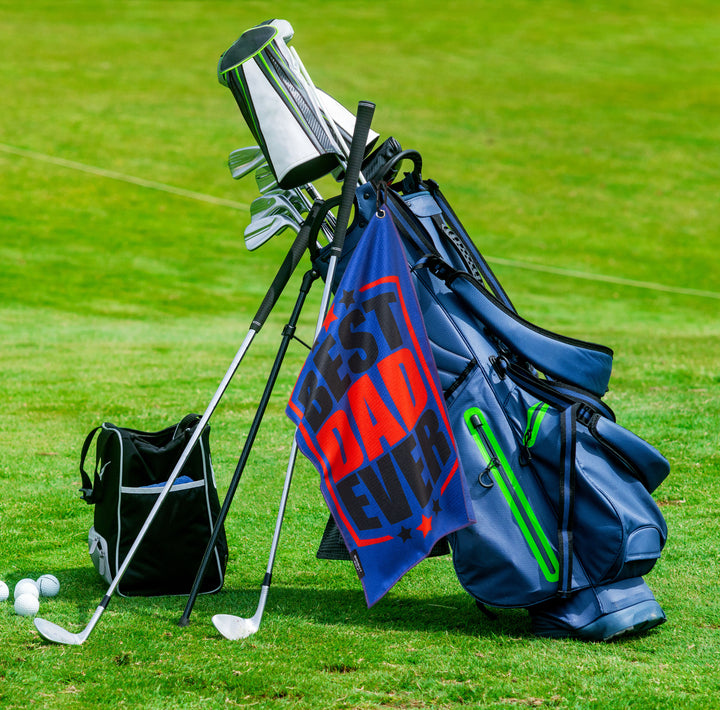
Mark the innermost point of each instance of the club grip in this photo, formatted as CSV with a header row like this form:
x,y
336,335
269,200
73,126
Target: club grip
x,y
363,119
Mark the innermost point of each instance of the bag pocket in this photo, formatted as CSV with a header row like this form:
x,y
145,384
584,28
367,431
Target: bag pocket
x,y
98,549
509,558
641,459
617,529
169,555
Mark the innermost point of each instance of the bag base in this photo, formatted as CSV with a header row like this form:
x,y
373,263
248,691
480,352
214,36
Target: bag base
x,y
599,613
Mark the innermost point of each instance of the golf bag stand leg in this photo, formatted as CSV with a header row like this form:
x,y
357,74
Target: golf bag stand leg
x,y
288,333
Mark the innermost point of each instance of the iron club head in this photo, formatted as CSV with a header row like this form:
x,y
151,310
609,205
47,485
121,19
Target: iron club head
x,y
234,627
265,178
263,229
244,160
274,203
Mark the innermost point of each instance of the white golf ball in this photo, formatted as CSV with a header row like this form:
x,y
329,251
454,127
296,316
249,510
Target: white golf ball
x,y
27,605
48,585
26,586
4,591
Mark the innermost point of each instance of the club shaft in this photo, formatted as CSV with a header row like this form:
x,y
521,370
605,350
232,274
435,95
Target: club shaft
x,y
281,512
181,461
352,172
288,333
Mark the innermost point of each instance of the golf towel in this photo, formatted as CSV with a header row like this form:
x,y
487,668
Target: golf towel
x,y
371,417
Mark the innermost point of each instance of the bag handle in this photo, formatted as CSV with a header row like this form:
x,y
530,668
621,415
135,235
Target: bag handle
x,y
391,167
89,493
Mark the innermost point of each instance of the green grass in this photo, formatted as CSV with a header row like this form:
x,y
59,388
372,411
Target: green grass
x,y
580,136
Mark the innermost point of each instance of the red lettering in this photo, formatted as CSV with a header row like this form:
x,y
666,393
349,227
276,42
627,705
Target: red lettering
x,y
402,378
339,445
374,420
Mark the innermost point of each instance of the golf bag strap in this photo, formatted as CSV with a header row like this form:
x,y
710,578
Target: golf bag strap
x,y
458,243
580,363
453,235
89,489
558,394
408,224
567,497
450,226
454,222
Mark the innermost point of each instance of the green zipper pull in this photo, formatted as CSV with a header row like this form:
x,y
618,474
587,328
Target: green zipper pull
x,y
493,462
534,419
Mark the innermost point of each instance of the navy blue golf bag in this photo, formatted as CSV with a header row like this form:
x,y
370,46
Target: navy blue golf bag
x,y
566,524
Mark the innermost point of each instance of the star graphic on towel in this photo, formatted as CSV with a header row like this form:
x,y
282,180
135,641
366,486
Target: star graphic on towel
x,y
348,298
405,534
426,526
330,318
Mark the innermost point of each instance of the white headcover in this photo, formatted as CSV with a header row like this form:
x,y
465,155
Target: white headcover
x,y
302,131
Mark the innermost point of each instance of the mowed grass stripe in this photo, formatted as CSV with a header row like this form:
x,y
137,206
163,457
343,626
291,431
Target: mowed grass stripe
x,y
210,199
113,175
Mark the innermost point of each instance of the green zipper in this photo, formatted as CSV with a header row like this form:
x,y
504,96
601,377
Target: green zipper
x,y
535,415
534,419
498,468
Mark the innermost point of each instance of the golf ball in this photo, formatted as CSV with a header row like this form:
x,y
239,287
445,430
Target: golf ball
x,y
4,591
27,605
48,585
26,586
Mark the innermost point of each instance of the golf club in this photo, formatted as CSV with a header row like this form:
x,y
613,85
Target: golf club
x,y
267,183
233,627
243,161
274,203
51,631
320,110
262,230
292,259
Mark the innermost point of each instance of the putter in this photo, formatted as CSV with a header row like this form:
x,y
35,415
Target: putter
x,y
234,627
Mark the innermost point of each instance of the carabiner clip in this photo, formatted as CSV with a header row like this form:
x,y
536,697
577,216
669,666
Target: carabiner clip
x,y
380,199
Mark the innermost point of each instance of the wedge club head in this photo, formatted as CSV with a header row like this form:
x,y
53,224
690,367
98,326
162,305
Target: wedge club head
x,y
234,627
54,633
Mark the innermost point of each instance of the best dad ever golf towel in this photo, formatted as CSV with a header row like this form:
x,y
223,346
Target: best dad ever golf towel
x,y
371,417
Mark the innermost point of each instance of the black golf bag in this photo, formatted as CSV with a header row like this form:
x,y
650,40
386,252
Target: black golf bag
x,y
566,524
